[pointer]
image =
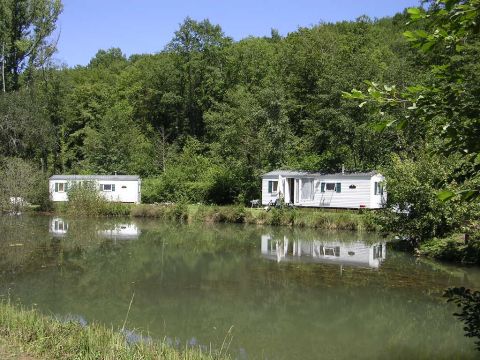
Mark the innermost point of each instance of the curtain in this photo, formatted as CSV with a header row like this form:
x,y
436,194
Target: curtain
x,y
307,189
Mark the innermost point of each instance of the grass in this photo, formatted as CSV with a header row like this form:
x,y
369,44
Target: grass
x,y
310,218
326,219
27,331
94,210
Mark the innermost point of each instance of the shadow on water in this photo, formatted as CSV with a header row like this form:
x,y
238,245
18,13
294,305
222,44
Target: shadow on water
x,y
284,293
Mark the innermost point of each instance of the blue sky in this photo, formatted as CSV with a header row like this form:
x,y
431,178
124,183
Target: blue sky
x,y
146,26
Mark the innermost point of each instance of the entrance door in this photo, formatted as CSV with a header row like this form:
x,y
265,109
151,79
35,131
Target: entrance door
x,y
291,188
297,191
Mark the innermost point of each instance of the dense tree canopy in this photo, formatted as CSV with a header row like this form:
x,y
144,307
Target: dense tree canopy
x,y
204,117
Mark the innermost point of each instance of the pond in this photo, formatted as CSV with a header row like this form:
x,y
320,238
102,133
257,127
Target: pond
x,y
259,292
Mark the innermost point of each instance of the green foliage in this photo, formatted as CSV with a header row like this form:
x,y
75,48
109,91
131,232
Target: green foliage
x,y
25,129
25,28
414,211
205,117
447,100
117,145
22,183
469,302
85,199
453,249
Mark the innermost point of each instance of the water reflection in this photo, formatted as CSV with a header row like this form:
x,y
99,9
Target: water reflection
x,y
58,227
357,253
117,231
121,232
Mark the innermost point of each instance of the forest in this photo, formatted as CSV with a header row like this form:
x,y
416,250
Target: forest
x,y
205,116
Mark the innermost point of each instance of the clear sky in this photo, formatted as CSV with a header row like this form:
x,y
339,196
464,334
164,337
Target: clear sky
x,y
146,26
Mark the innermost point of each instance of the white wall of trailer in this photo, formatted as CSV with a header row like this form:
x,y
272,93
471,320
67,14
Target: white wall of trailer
x,y
337,191
125,191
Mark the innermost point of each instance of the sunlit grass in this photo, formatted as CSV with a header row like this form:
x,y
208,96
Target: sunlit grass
x,y
38,335
310,218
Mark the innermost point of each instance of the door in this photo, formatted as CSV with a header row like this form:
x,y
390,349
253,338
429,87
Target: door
x,y
297,191
291,191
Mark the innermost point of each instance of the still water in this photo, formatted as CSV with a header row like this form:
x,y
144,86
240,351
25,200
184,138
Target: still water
x,y
266,293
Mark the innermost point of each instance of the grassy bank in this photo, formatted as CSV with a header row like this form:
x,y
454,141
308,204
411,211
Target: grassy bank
x,y
311,218
29,332
298,217
85,201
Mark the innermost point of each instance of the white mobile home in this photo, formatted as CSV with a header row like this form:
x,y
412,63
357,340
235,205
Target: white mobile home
x,y
118,188
309,189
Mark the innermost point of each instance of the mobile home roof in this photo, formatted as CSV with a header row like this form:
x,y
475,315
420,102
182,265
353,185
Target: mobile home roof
x,y
96,177
308,173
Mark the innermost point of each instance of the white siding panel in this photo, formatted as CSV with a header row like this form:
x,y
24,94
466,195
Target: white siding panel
x,y
347,198
125,191
266,196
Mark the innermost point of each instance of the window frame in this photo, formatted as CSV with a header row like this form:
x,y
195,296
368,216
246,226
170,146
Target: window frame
x,y
337,187
111,189
272,186
63,186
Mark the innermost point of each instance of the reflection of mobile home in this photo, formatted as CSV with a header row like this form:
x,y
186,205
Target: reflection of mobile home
x,y
355,253
58,227
121,232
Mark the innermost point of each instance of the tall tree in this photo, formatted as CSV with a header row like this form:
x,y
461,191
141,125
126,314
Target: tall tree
x,y
25,28
198,45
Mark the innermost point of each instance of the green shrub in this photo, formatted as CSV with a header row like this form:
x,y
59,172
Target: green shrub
x,y
84,199
452,248
414,210
469,303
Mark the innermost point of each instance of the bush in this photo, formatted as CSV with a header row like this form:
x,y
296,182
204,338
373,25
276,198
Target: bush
x,y
21,183
452,249
84,199
469,302
414,211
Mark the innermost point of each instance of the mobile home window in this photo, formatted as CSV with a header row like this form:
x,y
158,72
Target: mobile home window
x,y
331,187
60,187
307,189
331,251
378,188
59,225
107,187
272,186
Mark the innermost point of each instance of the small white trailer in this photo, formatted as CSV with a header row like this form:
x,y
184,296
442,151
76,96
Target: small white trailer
x,y
310,189
116,188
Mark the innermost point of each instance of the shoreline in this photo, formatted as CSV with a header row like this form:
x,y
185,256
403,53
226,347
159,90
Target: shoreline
x,y
31,335
324,219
